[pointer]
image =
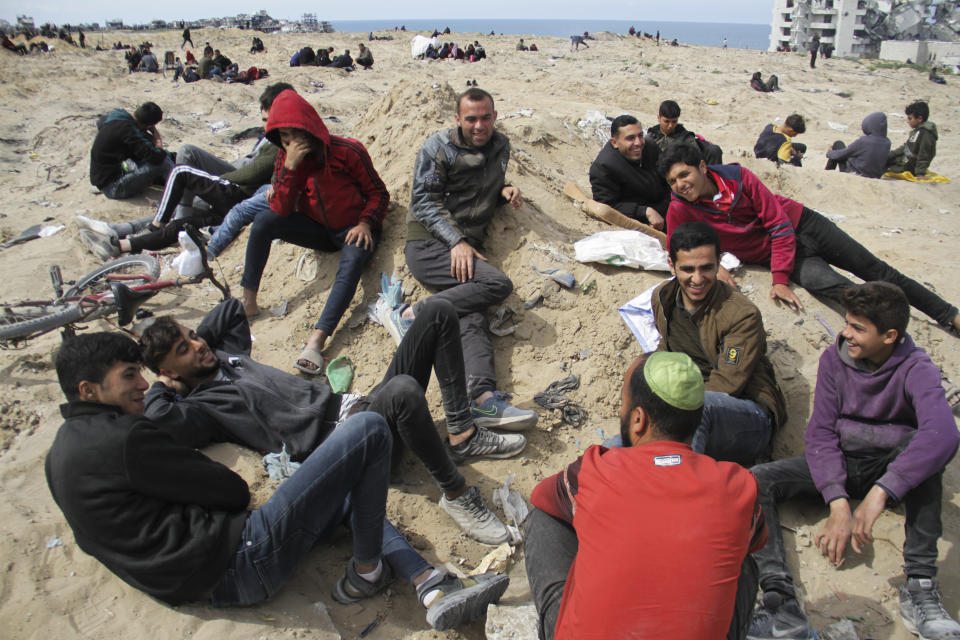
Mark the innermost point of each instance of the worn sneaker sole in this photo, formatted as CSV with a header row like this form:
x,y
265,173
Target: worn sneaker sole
x,y
518,423
98,245
467,604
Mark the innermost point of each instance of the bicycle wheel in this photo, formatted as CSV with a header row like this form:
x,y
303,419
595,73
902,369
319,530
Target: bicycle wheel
x,y
27,319
97,281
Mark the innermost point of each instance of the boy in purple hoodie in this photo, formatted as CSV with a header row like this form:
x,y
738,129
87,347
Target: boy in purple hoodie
x,y
867,155
881,430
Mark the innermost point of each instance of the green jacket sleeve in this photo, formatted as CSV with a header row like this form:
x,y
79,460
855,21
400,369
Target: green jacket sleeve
x,y
926,150
257,172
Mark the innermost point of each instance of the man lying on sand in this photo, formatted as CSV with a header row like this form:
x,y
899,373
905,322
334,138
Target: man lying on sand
x,y
761,227
173,523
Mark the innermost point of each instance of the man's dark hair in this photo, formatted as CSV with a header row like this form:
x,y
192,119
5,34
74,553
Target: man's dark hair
x,y
882,303
474,95
270,93
685,153
918,109
148,114
672,423
89,356
795,122
690,235
157,340
621,121
670,109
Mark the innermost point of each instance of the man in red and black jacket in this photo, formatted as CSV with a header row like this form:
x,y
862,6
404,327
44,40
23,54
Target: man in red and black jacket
x,y
761,227
326,195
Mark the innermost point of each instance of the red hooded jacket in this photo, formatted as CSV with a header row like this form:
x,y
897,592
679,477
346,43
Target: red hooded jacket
x,y
337,185
759,229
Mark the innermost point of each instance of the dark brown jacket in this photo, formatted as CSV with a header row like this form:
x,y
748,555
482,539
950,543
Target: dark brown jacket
x,y
732,334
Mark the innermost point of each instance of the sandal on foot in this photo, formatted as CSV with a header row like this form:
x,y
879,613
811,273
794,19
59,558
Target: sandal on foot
x,y
352,588
314,358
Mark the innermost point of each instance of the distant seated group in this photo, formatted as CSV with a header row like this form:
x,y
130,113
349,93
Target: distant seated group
x,y
869,155
306,57
666,506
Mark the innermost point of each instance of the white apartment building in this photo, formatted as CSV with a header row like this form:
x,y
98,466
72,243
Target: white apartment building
x,y
837,22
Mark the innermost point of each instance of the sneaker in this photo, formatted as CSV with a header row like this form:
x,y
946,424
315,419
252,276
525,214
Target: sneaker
x,y
472,515
352,588
779,617
99,245
923,613
397,325
497,413
97,226
486,444
451,601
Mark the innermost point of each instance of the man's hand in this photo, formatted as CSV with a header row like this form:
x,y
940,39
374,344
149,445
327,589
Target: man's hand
x,y
461,260
654,219
360,236
296,150
177,385
157,140
866,515
784,293
832,541
512,196
725,276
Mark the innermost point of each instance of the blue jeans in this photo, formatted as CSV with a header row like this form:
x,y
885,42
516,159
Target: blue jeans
x,y
732,429
242,214
345,478
135,182
304,231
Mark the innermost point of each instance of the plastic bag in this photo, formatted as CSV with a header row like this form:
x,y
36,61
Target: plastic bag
x,y
623,248
188,263
513,506
638,315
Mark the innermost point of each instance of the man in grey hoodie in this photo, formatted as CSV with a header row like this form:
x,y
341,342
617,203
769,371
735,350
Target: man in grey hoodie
x,y
867,156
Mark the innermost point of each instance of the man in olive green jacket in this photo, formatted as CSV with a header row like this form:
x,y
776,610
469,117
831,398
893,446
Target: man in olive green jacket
x,y
722,331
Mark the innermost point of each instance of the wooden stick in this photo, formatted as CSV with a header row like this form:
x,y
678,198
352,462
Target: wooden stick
x,y
608,214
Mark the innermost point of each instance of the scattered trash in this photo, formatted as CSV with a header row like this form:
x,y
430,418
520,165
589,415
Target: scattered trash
x,y
842,630
373,625
836,126
280,310
221,124
826,325
836,217
28,234
308,265
711,101
513,506
340,374
623,248
316,83
729,261
54,541
506,622
595,124
498,325
555,397
551,250
389,298
188,263
279,466
638,315
533,300
495,560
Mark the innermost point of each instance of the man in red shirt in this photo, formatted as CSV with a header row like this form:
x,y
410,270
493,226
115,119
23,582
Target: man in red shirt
x,y
650,540
761,227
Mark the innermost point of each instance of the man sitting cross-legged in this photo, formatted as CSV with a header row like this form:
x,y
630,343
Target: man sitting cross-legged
x,y
722,331
880,430
650,540
210,389
173,523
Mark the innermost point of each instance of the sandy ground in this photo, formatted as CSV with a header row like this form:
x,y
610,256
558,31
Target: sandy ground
x,y
50,102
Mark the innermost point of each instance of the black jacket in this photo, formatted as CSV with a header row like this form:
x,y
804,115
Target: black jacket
x,y
120,138
629,187
163,517
258,406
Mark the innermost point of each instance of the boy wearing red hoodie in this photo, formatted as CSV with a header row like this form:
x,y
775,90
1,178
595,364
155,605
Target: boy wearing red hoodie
x,y
325,195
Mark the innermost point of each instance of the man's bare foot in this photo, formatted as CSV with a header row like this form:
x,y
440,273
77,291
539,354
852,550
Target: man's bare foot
x,y
249,301
316,343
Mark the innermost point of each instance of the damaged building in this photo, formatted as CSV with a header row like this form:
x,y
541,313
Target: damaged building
x,y
862,27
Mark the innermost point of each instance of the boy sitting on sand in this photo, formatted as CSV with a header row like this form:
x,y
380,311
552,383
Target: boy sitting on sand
x,y
776,142
916,154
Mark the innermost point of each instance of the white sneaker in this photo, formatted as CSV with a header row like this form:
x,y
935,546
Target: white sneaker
x,y
97,226
923,613
471,513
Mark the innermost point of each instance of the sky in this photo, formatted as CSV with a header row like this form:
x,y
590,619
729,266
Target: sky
x,y
60,12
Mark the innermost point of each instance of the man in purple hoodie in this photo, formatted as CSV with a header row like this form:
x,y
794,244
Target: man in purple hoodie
x,y
867,156
881,430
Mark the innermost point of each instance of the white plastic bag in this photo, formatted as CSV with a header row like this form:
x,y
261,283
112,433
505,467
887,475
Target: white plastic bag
x,y
624,248
188,263
514,508
638,315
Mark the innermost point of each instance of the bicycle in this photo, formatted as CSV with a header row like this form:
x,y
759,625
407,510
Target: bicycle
x,y
120,286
